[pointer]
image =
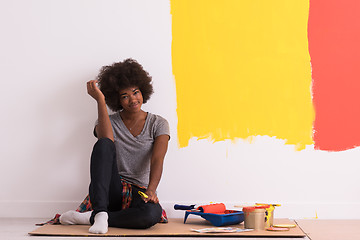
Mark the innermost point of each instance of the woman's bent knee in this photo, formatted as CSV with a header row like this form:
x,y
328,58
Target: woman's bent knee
x,y
105,142
103,151
104,145
151,216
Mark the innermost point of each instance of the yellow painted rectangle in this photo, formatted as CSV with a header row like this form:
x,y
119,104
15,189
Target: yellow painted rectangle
x,y
242,69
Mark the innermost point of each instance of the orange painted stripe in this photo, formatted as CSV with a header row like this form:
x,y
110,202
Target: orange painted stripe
x,y
334,45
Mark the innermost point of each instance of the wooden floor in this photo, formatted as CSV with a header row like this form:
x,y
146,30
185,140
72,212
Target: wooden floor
x,y
317,229
18,228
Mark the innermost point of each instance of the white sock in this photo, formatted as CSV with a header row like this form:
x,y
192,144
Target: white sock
x,y
100,225
73,217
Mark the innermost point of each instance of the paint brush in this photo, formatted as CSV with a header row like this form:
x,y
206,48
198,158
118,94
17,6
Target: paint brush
x,y
143,194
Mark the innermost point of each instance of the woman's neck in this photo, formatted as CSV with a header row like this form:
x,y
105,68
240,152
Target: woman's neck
x,y
129,116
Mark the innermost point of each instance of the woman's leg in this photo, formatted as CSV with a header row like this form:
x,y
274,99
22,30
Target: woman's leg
x,y
140,215
105,183
103,171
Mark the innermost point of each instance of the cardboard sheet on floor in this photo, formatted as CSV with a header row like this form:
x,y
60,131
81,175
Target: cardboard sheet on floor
x,y
175,227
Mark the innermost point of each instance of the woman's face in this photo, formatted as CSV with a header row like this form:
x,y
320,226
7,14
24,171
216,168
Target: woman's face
x,y
131,99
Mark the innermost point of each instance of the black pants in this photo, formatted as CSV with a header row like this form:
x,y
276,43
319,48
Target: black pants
x,y
105,192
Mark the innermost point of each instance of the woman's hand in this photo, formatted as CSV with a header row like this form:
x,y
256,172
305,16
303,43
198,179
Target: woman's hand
x,y
152,197
94,91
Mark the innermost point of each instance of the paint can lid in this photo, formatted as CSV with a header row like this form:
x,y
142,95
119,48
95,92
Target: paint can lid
x,y
253,208
284,225
277,229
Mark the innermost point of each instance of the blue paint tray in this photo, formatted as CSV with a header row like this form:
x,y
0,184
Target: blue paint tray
x,y
230,217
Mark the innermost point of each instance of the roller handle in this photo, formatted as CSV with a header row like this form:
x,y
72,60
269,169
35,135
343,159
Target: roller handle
x,y
183,207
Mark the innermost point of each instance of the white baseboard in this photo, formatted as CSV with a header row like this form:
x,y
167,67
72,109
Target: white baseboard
x,y
295,210
19,209
34,209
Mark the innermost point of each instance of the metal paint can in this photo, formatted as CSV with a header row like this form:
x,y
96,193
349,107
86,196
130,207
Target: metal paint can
x,y
255,217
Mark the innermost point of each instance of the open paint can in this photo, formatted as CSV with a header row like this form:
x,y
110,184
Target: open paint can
x,y
255,217
269,213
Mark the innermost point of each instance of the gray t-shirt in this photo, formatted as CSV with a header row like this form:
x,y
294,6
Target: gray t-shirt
x,y
134,153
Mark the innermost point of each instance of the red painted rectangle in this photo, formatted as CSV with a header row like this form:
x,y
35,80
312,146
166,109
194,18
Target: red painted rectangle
x,y
334,46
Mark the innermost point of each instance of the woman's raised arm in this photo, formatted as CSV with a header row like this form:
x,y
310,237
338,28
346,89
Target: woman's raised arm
x,y
103,129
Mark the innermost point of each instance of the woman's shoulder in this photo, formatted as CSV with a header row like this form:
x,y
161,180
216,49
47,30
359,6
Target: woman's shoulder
x,y
115,116
116,120
154,118
158,125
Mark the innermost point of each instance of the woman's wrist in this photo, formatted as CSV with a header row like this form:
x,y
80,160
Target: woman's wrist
x,y
101,100
150,190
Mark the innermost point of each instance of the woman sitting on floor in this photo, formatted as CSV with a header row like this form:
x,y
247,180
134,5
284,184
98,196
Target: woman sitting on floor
x,y
128,156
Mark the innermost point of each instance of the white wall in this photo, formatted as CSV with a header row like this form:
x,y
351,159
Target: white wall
x,y
49,49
